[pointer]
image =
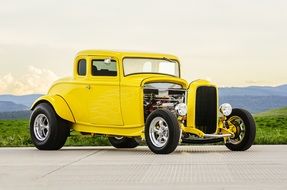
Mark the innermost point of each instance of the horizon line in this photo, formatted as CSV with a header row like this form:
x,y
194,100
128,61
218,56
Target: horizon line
x,y
260,86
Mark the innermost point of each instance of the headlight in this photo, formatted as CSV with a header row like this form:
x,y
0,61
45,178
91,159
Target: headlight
x,y
225,109
181,109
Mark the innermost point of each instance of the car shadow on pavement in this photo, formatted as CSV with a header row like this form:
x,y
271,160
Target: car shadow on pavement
x,y
144,149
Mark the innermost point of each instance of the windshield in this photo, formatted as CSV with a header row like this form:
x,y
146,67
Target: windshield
x,y
148,65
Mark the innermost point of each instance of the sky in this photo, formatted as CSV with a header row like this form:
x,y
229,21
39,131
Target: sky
x,y
230,42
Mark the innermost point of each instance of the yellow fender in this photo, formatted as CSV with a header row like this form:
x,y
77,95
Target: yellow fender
x,y
59,104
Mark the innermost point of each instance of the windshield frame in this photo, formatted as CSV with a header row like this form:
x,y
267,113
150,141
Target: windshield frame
x,y
157,58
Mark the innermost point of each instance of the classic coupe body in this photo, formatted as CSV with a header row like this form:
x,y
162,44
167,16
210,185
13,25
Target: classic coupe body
x,y
131,96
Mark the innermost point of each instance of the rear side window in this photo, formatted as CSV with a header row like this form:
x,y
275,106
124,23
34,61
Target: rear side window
x,y
102,68
82,65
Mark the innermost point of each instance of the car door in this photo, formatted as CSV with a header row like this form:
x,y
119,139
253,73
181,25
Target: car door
x,y
104,102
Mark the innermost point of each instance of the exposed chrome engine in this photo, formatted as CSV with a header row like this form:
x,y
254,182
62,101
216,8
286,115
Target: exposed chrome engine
x,y
162,95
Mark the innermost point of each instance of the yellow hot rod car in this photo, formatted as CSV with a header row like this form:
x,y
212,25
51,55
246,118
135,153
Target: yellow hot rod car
x,y
131,96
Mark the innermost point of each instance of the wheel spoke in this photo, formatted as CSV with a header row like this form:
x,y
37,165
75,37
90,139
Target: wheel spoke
x,y
46,132
161,124
45,127
42,133
165,138
41,127
241,136
155,129
42,121
158,132
240,127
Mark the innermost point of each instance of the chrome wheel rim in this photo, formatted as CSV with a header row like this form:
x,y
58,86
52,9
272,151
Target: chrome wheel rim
x,y
41,127
118,138
158,132
240,129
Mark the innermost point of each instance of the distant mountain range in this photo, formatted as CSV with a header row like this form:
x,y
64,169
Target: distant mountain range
x,y
16,107
254,98
7,106
15,115
255,104
26,100
254,91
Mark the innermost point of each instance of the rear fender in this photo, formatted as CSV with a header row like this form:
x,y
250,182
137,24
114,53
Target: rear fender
x,y
59,104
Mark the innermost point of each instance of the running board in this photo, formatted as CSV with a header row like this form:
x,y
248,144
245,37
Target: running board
x,y
202,141
216,136
208,138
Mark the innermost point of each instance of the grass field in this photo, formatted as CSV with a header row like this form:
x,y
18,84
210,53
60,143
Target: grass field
x,y
16,133
271,129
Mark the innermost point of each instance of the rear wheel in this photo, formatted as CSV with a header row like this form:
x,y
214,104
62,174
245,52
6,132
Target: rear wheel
x,y
123,142
47,130
162,131
245,130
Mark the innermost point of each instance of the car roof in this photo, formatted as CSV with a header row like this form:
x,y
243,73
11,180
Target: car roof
x,y
123,54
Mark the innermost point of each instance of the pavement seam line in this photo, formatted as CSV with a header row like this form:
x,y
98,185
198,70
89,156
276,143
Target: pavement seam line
x,y
69,163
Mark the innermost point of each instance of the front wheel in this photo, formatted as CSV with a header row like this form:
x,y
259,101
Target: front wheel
x,y
245,130
162,131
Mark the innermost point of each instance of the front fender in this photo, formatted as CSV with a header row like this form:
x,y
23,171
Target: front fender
x,y
59,104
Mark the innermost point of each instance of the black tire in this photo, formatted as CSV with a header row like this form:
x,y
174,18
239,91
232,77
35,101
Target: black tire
x,y
58,132
250,130
173,131
123,142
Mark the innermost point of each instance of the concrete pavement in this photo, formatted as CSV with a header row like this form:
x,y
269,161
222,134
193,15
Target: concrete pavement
x,y
190,167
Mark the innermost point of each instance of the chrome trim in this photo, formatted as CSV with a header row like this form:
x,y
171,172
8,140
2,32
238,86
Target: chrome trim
x,y
216,136
41,127
158,132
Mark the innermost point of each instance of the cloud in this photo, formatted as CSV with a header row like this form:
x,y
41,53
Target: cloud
x,y
35,80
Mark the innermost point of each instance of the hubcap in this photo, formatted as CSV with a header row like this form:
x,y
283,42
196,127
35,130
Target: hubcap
x,y
41,127
240,129
158,132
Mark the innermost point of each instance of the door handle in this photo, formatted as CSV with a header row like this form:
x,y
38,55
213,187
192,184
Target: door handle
x,y
88,87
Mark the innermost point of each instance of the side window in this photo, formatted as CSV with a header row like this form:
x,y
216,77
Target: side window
x,y
82,67
102,68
